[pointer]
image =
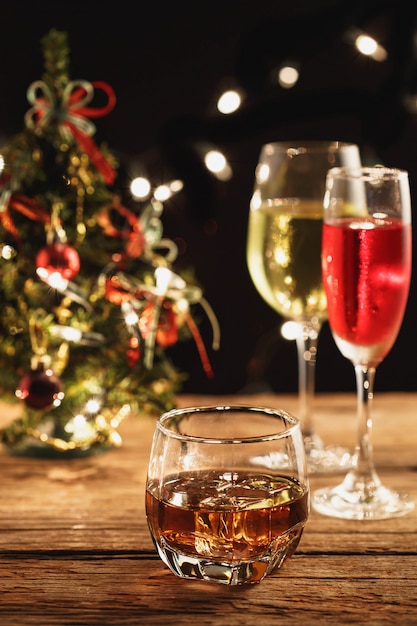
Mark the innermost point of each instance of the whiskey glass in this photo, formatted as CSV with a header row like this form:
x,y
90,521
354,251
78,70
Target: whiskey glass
x,y
227,492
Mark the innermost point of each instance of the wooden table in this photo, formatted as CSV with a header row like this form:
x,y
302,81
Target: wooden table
x,y
75,547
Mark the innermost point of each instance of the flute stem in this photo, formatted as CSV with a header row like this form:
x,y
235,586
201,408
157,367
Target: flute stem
x,y
361,495
362,478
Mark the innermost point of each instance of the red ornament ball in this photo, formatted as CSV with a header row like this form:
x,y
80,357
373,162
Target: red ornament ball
x,y
58,257
40,388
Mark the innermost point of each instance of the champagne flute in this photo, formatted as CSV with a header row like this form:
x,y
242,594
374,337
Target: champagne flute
x,y
283,257
366,262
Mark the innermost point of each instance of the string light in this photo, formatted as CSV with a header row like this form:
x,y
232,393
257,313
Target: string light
x,y
229,101
7,252
162,279
176,186
93,406
215,161
140,187
162,193
130,315
288,76
68,333
368,46
290,330
75,335
53,279
217,164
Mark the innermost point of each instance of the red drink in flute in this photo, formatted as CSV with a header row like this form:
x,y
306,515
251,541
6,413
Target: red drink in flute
x,y
366,297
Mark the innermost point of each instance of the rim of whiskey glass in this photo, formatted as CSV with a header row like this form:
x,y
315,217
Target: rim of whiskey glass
x,y
166,423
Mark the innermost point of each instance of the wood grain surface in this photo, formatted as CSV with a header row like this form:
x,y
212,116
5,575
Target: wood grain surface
x,y
75,547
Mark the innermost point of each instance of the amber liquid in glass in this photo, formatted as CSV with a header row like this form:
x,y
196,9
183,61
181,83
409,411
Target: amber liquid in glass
x,y
228,518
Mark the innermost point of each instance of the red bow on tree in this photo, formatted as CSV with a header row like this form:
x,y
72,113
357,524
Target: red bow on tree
x,y
70,113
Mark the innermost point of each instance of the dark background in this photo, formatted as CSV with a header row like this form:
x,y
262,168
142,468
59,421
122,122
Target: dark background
x,y
167,63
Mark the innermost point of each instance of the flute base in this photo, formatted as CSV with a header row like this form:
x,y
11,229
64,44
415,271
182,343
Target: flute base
x,y
328,459
354,505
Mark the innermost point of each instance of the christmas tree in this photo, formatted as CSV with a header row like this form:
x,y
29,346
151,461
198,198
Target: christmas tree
x,y
90,301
